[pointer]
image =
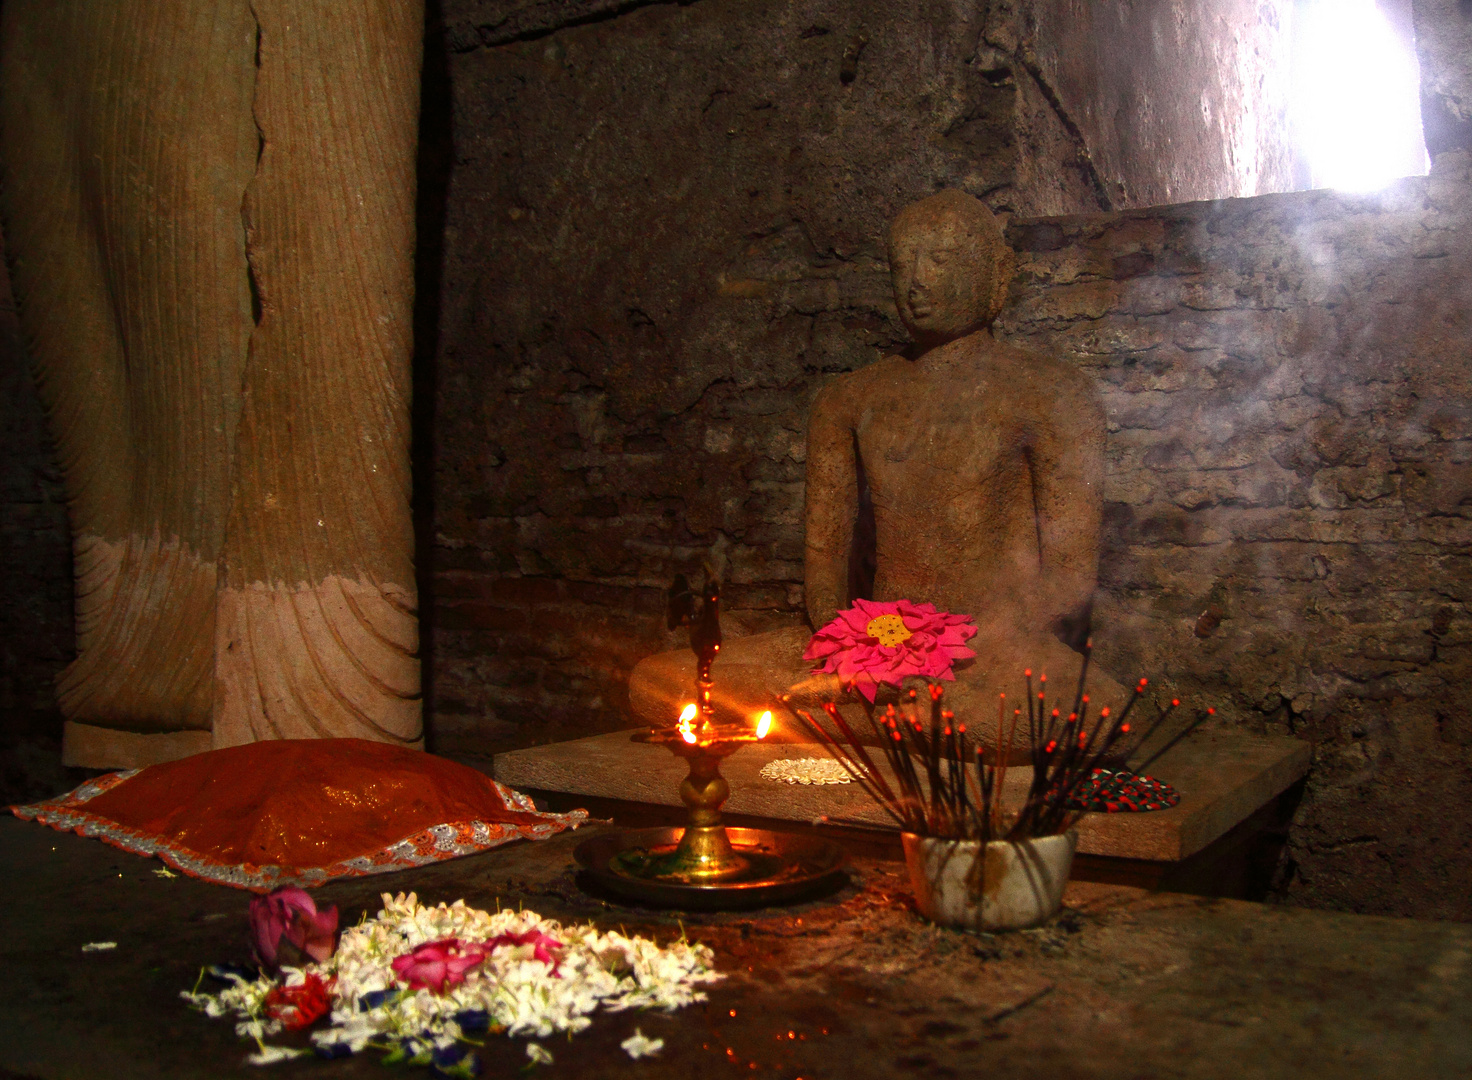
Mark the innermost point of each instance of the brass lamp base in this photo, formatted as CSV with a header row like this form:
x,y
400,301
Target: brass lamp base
x,y
781,868
707,865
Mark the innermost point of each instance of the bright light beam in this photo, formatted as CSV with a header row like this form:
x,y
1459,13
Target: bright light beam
x,y
1357,108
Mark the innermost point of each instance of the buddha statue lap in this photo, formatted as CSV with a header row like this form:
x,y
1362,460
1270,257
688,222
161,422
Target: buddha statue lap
x,y
966,474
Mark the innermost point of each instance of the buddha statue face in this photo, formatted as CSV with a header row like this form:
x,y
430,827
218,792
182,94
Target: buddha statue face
x,y
950,267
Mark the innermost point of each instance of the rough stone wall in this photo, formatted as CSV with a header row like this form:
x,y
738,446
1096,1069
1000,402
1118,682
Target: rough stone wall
x,y
1173,101
1444,44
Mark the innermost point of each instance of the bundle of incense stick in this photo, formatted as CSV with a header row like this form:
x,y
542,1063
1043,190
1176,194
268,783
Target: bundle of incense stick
x,y
934,793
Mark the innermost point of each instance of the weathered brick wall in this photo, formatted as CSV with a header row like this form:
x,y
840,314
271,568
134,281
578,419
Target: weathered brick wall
x,y
1289,400
663,231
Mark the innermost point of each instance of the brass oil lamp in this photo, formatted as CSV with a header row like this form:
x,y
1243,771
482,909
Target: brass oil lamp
x,y
708,864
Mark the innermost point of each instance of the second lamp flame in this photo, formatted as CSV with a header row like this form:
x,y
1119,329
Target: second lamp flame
x,y
764,724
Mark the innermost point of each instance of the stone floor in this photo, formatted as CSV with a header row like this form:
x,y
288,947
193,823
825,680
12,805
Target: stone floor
x,y
1124,984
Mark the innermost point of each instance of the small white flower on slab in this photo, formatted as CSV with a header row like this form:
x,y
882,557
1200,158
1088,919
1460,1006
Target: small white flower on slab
x,y
640,1045
805,771
539,1054
99,946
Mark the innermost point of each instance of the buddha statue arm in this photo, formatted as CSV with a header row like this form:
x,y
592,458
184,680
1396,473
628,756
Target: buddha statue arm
x,y
1068,477
832,495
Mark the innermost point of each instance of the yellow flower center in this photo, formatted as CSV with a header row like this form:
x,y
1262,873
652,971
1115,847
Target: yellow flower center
x,y
889,629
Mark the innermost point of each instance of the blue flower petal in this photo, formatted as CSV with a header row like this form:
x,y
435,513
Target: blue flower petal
x,y
374,998
473,1020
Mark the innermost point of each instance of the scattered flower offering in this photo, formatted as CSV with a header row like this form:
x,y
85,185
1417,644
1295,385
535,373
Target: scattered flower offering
x,y
538,1054
99,946
877,642
422,983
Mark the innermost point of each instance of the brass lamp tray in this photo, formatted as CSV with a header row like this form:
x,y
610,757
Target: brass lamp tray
x,y
781,868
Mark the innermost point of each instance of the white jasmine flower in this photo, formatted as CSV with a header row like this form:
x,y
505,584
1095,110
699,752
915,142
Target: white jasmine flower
x,y
538,1054
270,1055
640,1045
99,946
257,1028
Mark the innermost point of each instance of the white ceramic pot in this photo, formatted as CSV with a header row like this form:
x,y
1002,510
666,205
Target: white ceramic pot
x,y
1009,887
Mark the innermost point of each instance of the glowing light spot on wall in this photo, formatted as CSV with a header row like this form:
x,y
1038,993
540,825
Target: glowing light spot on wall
x,y
1357,98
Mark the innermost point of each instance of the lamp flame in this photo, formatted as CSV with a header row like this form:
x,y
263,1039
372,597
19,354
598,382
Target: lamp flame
x,y
687,723
764,724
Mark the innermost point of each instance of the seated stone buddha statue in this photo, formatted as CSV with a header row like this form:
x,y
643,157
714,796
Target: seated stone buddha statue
x,y
965,473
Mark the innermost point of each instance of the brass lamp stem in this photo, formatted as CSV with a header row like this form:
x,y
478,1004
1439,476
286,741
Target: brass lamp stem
x,y
704,852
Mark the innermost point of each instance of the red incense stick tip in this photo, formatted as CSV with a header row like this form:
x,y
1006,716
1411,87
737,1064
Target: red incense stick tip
x,y
1104,711
1043,677
1086,699
1144,681
1027,673
1174,702
1210,712
1124,727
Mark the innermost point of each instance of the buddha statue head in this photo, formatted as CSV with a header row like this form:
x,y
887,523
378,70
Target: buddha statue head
x,y
950,266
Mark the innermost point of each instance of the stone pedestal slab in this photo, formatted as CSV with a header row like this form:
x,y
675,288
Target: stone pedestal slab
x,y
1223,778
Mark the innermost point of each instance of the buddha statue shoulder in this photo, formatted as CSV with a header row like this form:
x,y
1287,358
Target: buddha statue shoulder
x,y
965,473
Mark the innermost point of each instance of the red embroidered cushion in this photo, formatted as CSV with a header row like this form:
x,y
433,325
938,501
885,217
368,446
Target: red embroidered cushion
x,y
299,811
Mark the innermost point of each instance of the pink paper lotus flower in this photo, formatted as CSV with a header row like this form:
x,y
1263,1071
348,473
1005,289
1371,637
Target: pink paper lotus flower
x,y
438,965
287,928
877,642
